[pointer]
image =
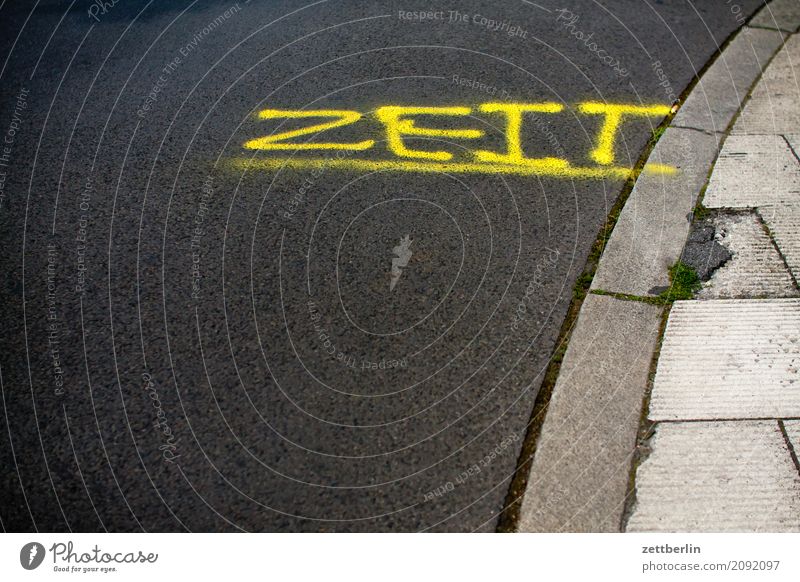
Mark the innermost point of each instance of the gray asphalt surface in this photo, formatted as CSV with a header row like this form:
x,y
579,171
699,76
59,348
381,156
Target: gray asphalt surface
x,y
189,345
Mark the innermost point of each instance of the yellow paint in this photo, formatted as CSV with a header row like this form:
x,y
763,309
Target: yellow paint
x,y
514,154
559,170
277,141
398,123
604,150
392,117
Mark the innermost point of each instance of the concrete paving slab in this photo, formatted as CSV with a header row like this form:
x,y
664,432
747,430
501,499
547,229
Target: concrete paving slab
x,y
581,468
653,226
729,359
782,14
718,96
754,170
717,477
772,107
784,224
755,269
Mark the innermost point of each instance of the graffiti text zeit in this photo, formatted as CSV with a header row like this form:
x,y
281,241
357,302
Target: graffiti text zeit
x,y
402,124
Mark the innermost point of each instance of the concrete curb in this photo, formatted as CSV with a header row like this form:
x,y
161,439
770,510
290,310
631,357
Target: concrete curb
x,y
580,474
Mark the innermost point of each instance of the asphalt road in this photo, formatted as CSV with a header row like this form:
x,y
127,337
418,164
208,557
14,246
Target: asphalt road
x,y
199,337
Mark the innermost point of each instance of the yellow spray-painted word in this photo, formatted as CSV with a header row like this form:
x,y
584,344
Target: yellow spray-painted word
x,y
400,123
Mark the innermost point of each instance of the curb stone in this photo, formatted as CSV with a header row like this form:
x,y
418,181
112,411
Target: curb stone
x,y
584,451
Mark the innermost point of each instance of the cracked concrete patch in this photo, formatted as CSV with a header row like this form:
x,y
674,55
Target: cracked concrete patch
x,y
702,252
755,269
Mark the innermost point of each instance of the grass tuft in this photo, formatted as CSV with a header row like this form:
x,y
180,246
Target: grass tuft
x,y
582,285
700,212
656,135
684,283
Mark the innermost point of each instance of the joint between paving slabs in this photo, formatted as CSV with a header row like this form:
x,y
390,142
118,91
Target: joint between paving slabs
x,y
718,53
789,446
760,27
791,148
697,129
650,300
768,231
724,419
745,98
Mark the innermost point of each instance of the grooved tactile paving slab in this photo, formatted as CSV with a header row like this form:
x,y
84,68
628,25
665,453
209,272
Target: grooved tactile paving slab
x,y
717,477
754,170
755,269
725,359
784,224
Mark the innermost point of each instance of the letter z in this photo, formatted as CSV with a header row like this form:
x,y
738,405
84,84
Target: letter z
x,y
277,141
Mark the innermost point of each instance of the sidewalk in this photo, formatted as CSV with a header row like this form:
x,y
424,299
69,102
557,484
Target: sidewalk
x,y
726,395
684,415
